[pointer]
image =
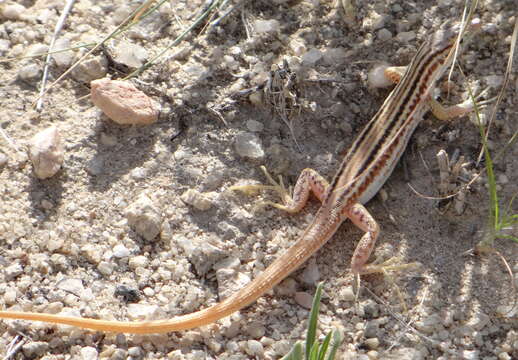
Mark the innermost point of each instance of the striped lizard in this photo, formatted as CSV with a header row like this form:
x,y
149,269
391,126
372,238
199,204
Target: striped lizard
x,y
362,172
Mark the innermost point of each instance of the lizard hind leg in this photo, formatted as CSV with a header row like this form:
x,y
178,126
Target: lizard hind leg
x,y
360,217
309,181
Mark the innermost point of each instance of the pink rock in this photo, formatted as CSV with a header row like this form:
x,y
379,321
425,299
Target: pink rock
x,y
122,102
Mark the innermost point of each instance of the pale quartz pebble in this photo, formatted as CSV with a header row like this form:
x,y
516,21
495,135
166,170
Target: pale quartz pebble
x,y
71,285
144,217
13,11
249,145
197,199
89,353
91,69
266,26
62,58
144,312
122,102
46,152
3,159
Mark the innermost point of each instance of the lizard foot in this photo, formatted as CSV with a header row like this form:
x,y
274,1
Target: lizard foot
x,y
278,187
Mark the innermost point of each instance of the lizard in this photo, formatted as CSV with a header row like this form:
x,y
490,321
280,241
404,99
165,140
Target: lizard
x,y
364,169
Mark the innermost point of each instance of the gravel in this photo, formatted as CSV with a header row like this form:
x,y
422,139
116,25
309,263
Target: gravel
x,y
138,222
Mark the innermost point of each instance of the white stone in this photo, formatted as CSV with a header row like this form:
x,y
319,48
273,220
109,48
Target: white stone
x,y
10,296
63,58
196,199
266,26
105,268
144,217
129,54
71,285
138,262
89,353
13,11
29,72
91,69
120,251
46,152
254,348
144,312
12,271
3,159
249,145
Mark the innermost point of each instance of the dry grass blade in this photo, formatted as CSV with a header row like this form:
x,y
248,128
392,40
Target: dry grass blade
x,y
57,29
117,30
500,96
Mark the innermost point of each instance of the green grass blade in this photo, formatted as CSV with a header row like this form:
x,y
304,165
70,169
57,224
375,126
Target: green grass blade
x,y
337,341
295,353
314,351
324,347
313,318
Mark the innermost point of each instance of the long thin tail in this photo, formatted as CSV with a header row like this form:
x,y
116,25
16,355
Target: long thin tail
x,y
312,239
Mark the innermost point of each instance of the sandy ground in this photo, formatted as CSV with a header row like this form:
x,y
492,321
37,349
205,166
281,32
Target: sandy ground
x,y
65,244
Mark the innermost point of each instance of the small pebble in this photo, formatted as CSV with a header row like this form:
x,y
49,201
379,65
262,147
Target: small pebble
x,y
105,268
304,299
311,274
34,349
13,11
266,26
376,77
138,262
196,199
62,57
120,251
91,69
71,285
311,57
254,126
122,102
405,36
46,152
372,343
249,145
347,293
144,217
89,353
135,351
30,72
10,296
129,54
3,159
12,271
384,35
144,312
254,348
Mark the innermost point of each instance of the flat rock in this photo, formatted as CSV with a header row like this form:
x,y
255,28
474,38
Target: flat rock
x,y
122,102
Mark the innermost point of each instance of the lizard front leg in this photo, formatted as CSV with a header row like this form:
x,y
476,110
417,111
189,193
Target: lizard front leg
x,y
394,74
